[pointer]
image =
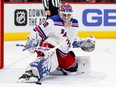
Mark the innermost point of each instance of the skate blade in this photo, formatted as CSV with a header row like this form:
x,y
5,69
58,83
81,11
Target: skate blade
x,y
31,80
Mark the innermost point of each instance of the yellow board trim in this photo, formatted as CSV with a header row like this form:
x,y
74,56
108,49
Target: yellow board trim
x,y
97,34
16,36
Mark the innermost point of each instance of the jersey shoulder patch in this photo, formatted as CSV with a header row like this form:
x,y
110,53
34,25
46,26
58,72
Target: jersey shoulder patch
x,y
74,22
57,20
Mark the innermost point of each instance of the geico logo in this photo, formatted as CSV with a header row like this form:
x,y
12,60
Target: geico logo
x,y
98,17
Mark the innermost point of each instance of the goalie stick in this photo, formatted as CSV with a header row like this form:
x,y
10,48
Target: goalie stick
x,y
53,49
25,48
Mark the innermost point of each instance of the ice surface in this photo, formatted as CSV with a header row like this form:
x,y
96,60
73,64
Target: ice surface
x,y
103,67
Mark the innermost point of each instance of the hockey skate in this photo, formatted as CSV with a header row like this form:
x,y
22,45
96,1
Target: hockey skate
x,y
28,77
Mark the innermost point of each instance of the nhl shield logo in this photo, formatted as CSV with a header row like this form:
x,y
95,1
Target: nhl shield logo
x,y
20,17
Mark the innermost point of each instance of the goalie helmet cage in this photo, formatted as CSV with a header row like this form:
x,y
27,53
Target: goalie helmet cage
x,y
1,33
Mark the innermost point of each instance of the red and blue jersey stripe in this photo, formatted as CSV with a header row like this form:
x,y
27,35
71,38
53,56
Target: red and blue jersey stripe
x,y
41,32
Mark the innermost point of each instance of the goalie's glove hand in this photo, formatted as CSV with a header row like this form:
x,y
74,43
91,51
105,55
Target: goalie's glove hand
x,y
88,44
31,44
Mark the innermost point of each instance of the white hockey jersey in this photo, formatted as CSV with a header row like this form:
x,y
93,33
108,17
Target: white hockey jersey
x,y
55,30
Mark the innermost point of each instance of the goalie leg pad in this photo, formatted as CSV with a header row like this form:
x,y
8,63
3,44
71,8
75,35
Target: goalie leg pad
x,y
45,65
84,64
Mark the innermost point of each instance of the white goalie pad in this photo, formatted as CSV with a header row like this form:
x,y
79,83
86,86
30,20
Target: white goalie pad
x,y
40,68
84,64
44,66
53,61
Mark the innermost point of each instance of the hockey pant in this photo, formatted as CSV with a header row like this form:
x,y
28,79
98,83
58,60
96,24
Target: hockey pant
x,y
67,62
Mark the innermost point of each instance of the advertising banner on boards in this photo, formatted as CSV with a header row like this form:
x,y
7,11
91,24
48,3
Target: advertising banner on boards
x,y
91,17
24,17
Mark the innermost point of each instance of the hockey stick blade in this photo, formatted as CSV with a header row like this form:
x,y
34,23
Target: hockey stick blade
x,y
36,82
19,45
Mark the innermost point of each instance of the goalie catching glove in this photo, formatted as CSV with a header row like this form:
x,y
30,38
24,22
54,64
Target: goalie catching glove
x,y
87,44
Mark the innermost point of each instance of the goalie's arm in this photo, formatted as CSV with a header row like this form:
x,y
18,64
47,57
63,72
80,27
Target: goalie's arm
x,y
39,33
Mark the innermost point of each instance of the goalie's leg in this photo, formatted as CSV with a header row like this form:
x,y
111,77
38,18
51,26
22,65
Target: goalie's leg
x,y
71,65
40,68
67,64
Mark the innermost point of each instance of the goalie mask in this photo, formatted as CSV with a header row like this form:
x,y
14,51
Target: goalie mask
x,y
65,12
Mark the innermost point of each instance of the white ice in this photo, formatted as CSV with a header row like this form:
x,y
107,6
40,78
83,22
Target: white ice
x,y
103,67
